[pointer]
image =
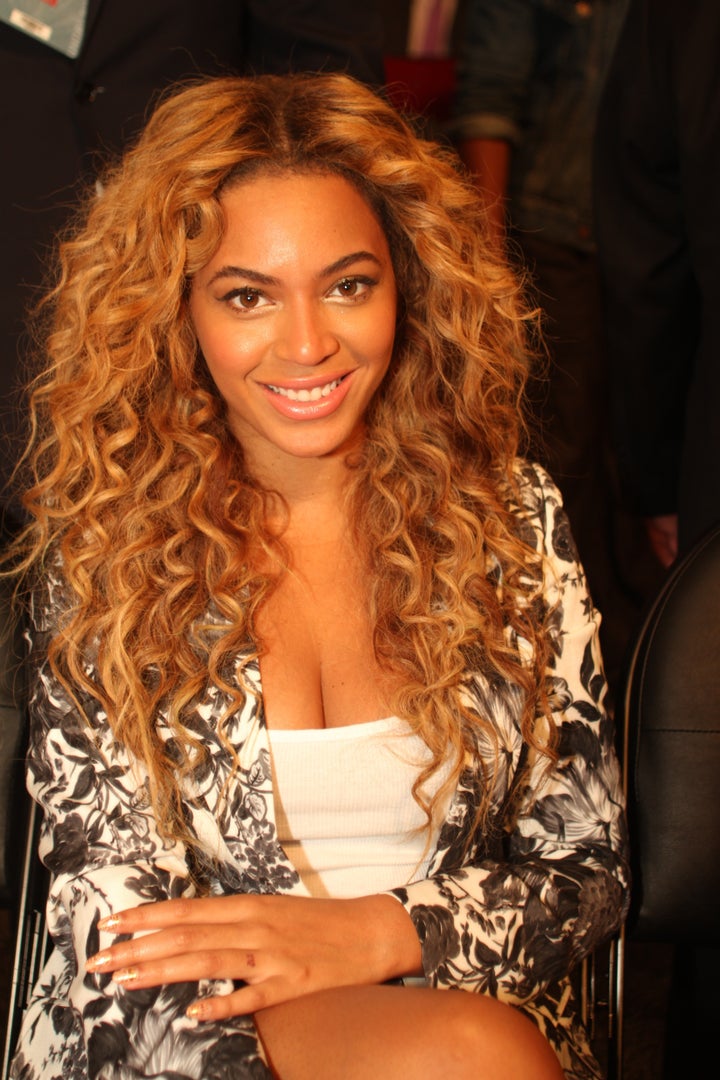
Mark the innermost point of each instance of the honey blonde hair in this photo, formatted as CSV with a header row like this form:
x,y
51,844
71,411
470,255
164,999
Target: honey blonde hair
x,y
140,492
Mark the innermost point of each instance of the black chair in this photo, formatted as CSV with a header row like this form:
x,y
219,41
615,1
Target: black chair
x,y
599,987
23,879
13,798
32,942
671,721
12,734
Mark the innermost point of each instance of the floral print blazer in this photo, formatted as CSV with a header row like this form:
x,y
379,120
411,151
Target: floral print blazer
x,y
508,918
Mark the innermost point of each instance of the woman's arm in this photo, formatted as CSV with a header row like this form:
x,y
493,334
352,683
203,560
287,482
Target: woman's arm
x,y
512,925
101,845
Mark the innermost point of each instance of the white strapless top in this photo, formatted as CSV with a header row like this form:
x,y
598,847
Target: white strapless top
x,y
345,812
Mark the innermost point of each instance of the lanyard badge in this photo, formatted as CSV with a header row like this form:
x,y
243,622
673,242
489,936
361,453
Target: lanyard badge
x,y
60,24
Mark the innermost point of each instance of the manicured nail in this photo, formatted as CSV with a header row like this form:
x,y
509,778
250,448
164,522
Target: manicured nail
x,y
125,975
108,923
197,1010
98,961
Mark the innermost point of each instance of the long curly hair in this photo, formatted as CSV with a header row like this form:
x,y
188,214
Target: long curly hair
x,y
138,489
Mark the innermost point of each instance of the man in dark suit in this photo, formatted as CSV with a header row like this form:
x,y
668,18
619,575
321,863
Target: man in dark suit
x,y
657,173
59,114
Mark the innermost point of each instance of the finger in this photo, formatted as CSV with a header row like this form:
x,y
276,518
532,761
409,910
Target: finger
x,y
189,911
178,944
248,999
156,945
152,947
239,965
154,916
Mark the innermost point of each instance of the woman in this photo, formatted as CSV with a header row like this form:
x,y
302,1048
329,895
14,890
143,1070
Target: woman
x,y
318,706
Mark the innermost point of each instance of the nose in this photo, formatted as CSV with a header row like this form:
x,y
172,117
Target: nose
x,y
306,334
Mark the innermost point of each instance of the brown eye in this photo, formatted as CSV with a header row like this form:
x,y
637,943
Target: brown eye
x,y
247,298
352,288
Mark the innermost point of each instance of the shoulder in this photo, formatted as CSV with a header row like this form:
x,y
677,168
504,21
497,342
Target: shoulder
x,y
51,596
538,505
534,484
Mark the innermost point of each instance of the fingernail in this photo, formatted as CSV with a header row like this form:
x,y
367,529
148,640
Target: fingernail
x,y
197,1010
108,923
125,975
99,960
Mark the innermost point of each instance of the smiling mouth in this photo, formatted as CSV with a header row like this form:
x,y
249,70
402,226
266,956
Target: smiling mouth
x,y
316,394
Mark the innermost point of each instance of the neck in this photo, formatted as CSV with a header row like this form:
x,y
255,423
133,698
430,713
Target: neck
x,y
313,493
300,480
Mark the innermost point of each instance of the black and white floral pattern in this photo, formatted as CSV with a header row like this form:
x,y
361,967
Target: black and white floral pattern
x,y
510,915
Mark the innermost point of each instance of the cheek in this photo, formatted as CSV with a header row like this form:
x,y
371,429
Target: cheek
x,y
386,335
377,334
217,337
226,349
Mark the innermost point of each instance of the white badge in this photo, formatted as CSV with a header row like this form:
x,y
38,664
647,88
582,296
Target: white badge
x,y
57,23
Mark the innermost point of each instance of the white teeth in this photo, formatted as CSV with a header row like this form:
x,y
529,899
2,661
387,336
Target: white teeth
x,y
306,395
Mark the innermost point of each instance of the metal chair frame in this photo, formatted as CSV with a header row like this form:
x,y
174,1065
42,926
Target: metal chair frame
x,y
32,940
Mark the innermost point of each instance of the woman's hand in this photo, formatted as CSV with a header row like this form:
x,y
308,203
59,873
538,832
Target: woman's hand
x,y
281,947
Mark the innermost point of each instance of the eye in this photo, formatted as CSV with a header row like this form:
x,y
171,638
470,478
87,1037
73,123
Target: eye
x,y
352,288
246,298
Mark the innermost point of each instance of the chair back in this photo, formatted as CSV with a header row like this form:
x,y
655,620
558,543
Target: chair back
x,y
672,755
12,746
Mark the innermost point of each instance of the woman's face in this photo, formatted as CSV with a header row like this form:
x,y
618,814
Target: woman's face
x,y
295,314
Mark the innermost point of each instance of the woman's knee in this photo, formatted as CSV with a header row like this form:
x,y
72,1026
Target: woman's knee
x,y
385,1032
503,1043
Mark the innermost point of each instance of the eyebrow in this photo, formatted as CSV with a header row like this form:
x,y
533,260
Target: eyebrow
x,y
266,279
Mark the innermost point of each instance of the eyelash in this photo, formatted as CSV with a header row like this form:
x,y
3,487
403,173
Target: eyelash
x,y
250,291
355,279
235,294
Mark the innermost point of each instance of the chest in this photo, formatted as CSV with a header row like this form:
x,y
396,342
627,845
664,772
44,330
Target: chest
x,y
317,662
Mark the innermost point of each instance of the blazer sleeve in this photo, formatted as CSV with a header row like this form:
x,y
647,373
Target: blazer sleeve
x,y
512,924
105,853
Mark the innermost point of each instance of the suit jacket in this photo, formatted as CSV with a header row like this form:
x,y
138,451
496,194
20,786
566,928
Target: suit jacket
x,y
657,172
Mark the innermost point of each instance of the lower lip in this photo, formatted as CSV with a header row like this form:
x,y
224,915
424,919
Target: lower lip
x,y
309,410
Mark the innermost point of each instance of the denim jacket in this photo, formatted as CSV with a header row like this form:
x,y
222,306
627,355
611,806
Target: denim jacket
x,y
531,72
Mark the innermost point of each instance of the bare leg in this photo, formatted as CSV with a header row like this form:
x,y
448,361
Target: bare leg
x,y
386,1032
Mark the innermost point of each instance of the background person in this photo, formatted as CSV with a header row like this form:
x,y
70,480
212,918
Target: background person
x,y
657,168
529,78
